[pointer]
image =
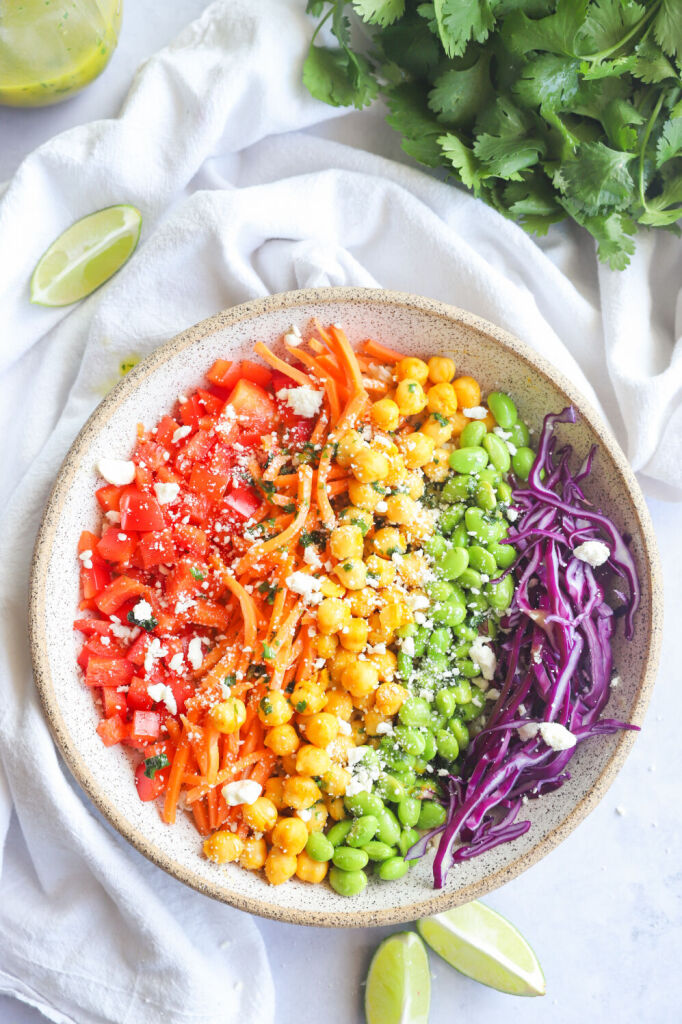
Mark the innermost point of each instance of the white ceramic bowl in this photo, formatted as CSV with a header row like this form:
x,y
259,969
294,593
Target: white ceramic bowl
x,y
416,326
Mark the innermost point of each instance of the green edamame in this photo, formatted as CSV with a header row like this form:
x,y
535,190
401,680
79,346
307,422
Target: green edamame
x,y
498,453
485,496
347,883
481,560
431,815
457,488
409,739
363,803
523,462
503,409
405,665
408,811
447,745
389,827
389,788
468,460
473,434
392,869
408,837
378,851
363,830
319,847
338,832
500,594
415,711
520,434
446,702
440,642
504,554
452,563
459,731
349,859
450,517
470,579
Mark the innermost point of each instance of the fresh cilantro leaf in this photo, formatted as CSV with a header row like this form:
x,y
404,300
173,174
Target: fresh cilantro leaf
x,y
379,12
613,234
301,705
592,71
598,179
197,573
409,114
440,419
670,141
665,209
331,75
461,20
154,764
668,27
556,33
533,197
607,24
315,7
268,652
651,65
548,81
147,624
461,157
410,46
457,96
504,146
230,680
618,119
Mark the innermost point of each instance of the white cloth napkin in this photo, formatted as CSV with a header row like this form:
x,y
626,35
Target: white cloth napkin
x,y
247,186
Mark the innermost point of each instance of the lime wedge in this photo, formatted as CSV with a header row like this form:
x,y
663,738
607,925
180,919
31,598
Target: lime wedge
x,y
86,255
399,983
486,947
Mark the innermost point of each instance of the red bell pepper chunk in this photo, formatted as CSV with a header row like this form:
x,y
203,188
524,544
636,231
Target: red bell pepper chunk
x,y
211,403
205,481
113,702
256,372
92,626
141,512
123,588
108,671
156,549
95,648
165,431
224,373
245,501
190,539
116,545
191,412
196,506
149,789
94,580
109,497
182,691
112,730
253,407
145,726
138,699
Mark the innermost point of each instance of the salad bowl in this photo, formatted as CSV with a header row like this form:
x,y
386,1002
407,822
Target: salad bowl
x,y
419,327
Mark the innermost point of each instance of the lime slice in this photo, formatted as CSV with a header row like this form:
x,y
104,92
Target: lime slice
x,y
399,982
86,255
486,947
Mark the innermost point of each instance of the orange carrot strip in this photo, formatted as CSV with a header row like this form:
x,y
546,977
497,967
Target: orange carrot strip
x,y
347,355
254,738
263,768
319,430
246,602
381,352
175,779
279,364
201,819
212,803
199,792
338,486
330,381
305,486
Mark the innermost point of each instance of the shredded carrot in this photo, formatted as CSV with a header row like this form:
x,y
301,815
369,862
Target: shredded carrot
x,y
278,364
246,602
305,485
380,352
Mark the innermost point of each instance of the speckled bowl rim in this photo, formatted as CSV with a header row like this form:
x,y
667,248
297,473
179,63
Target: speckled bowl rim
x,y
439,901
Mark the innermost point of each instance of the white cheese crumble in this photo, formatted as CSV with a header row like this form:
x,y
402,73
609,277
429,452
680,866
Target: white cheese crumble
x,y
594,552
153,653
243,791
118,472
484,657
384,728
142,611
177,662
305,815
183,604
180,434
166,493
476,412
555,735
305,401
615,681
311,557
363,776
293,337
344,727
86,558
162,694
113,517
407,646
194,653
306,585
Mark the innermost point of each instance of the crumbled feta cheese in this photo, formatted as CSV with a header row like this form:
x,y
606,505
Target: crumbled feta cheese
x,y
311,557
621,810
177,662
417,602
166,493
142,611
118,472
344,727
382,507
615,681
512,514
243,791
484,657
305,401
162,694
306,585
363,775
180,434
113,517
122,632
528,731
384,728
195,655
183,604
153,653
492,693
407,646
305,815
476,412
594,552
293,337
554,735
86,558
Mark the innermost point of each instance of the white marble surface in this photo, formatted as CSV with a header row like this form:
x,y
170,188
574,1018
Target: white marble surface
x,y
604,911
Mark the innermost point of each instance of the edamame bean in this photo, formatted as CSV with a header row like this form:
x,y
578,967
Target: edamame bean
x,y
473,434
450,517
415,711
468,460
503,409
436,666
468,669
347,883
349,859
500,594
429,745
431,815
498,453
446,702
460,537
409,739
420,639
485,496
392,869
363,803
389,827
481,560
408,630
462,691
459,731
363,830
470,578
441,590
447,745
452,563
504,492
408,837
338,832
408,811
492,475
440,642
523,462
451,612
405,665
389,788
378,851
457,488
465,632
467,712
479,525
406,778
319,846
520,435
436,546
504,554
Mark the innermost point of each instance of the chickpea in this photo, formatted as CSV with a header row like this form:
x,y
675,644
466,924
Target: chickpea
x,y
300,793
385,414
354,638
441,369
363,602
326,645
457,424
378,633
381,571
439,429
413,368
321,729
349,444
359,517
415,485
365,496
335,806
369,466
346,541
410,397
339,705
332,615
397,471
279,867
389,697
394,615
282,740
442,398
413,568
223,847
335,780
229,715
373,720
338,749
401,509
330,588
387,541
439,467
273,791
316,817
360,678
274,709
261,815
341,660
311,760
352,574
386,665
307,698
468,392
290,835
417,449
254,854
309,870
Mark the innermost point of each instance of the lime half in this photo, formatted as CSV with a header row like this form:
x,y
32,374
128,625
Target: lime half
x,y
483,945
86,255
399,982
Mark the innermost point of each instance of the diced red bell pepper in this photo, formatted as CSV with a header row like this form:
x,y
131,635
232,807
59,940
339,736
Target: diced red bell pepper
x,y
281,380
190,539
194,506
211,403
92,626
156,549
256,372
141,512
191,412
224,373
165,430
108,671
205,481
137,697
151,453
244,501
149,789
109,497
145,726
113,702
182,691
117,546
94,647
253,406
123,588
95,579
112,730
210,614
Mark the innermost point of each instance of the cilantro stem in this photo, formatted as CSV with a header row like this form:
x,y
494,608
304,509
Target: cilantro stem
x,y
645,142
593,58
322,22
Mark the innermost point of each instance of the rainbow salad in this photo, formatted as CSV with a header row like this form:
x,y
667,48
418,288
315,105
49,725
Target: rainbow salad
x,y
342,609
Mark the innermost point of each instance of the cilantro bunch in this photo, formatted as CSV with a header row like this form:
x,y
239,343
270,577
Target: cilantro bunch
x,y
545,109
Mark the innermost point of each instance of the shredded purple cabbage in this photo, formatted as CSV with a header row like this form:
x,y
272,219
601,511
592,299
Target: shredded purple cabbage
x,y
554,658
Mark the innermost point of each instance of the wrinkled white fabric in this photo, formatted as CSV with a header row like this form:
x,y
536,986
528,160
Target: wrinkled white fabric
x,y
247,186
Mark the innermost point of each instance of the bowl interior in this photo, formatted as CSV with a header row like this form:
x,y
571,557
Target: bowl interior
x,y
412,325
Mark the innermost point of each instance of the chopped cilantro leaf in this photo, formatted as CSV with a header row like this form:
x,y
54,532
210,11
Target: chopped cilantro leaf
x,y
152,765
147,624
197,573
